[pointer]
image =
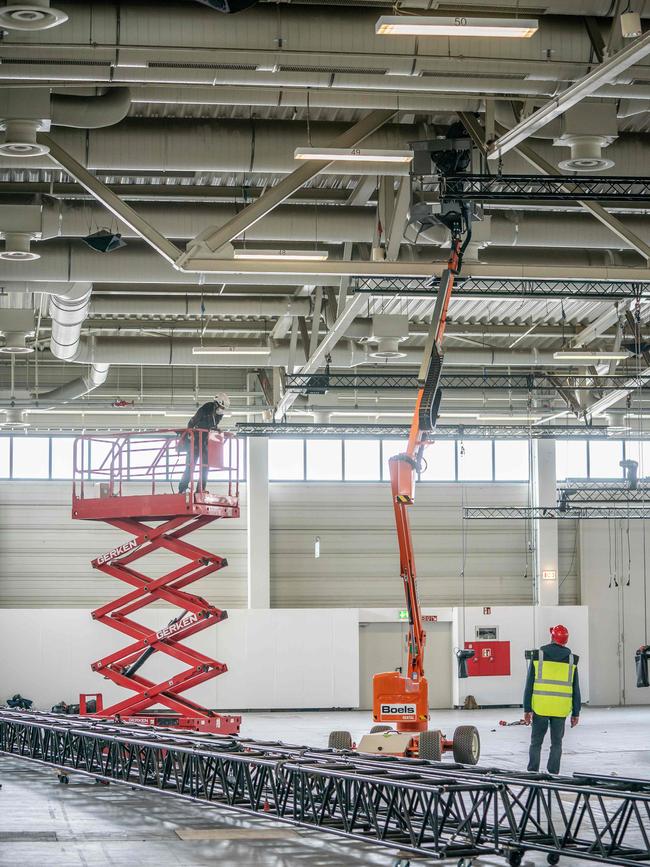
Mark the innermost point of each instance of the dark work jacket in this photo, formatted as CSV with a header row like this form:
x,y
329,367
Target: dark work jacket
x,y
207,417
554,653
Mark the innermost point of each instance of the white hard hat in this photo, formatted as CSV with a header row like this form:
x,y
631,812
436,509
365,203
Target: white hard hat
x,y
222,400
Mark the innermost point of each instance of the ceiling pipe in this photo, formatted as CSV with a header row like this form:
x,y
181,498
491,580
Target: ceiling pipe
x,y
91,112
337,225
167,351
201,307
155,147
62,260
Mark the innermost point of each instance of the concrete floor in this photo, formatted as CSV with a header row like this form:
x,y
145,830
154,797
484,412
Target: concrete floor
x,y
43,822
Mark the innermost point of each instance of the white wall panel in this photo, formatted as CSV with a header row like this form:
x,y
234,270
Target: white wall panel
x,y
358,563
45,555
275,659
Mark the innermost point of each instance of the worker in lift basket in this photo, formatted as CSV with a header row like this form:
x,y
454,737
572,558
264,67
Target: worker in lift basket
x,y
207,417
552,694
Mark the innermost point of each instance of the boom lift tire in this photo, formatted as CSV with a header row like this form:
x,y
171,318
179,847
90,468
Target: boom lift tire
x,y
376,730
467,745
340,741
430,746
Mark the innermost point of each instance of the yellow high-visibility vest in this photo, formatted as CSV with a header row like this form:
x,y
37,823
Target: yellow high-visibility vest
x,y
553,687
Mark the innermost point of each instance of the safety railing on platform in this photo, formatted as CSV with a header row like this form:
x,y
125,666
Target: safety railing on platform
x,y
155,462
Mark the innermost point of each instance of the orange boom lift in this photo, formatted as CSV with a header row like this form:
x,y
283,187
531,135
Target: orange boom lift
x,y
401,701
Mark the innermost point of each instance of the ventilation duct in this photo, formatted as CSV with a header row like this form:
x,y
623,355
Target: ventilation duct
x,y
14,419
17,325
387,331
17,248
38,15
586,129
26,111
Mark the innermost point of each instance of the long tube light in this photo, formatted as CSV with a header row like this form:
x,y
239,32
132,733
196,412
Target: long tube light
x,y
356,155
580,355
279,255
459,25
231,350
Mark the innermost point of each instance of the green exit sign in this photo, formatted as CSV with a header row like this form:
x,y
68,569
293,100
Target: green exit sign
x,y
403,614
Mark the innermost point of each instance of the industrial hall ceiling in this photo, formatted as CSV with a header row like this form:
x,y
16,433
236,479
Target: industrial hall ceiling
x,y
197,197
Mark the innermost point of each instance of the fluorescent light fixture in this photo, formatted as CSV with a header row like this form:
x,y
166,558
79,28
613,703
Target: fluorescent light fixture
x,y
508,418
357,155
581,355
230,350
278,255
459,25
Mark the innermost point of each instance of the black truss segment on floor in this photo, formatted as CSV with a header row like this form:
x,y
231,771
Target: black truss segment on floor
x,y
504,287
434,809
319,383
357,430
562,188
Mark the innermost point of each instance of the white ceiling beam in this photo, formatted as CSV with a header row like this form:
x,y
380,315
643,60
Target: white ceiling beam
x,y
597,327
111,202
213,239
584,87
327,344
397,225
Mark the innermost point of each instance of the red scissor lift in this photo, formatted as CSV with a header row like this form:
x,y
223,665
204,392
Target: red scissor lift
x,y
130,481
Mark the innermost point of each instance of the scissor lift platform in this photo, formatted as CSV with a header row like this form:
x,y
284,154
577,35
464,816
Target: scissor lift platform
x,y
128,481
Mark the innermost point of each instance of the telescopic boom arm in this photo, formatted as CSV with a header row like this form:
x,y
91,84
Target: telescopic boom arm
x,y
403,467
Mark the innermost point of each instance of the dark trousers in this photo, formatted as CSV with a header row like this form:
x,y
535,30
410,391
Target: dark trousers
x,y
540,727
192,456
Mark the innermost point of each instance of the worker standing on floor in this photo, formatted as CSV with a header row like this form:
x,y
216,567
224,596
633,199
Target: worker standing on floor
x,y
206,418
552,694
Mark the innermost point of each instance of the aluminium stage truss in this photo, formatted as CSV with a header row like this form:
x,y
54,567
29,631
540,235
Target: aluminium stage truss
x,y
563,188
589,491
570,513
504,287
430,808
318,383
360,430
128,481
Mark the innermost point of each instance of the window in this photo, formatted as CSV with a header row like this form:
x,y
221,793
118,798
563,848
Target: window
x,y
604,460
571,459
101,459
31,457
62,457
475,461
439,462
511,461
388,449
5,464
286,460
362,461
324,460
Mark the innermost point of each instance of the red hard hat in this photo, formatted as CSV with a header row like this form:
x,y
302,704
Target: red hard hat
x,y
559,634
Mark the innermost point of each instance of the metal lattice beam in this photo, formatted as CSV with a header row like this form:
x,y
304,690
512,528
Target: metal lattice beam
x,y
318,383
543,187
434,809
506,287
571,513
357,430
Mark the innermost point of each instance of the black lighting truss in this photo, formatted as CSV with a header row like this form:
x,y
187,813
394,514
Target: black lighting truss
x,y
318,383
601,491
483,188
442,819
434,809
359,430
614,510
504,287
